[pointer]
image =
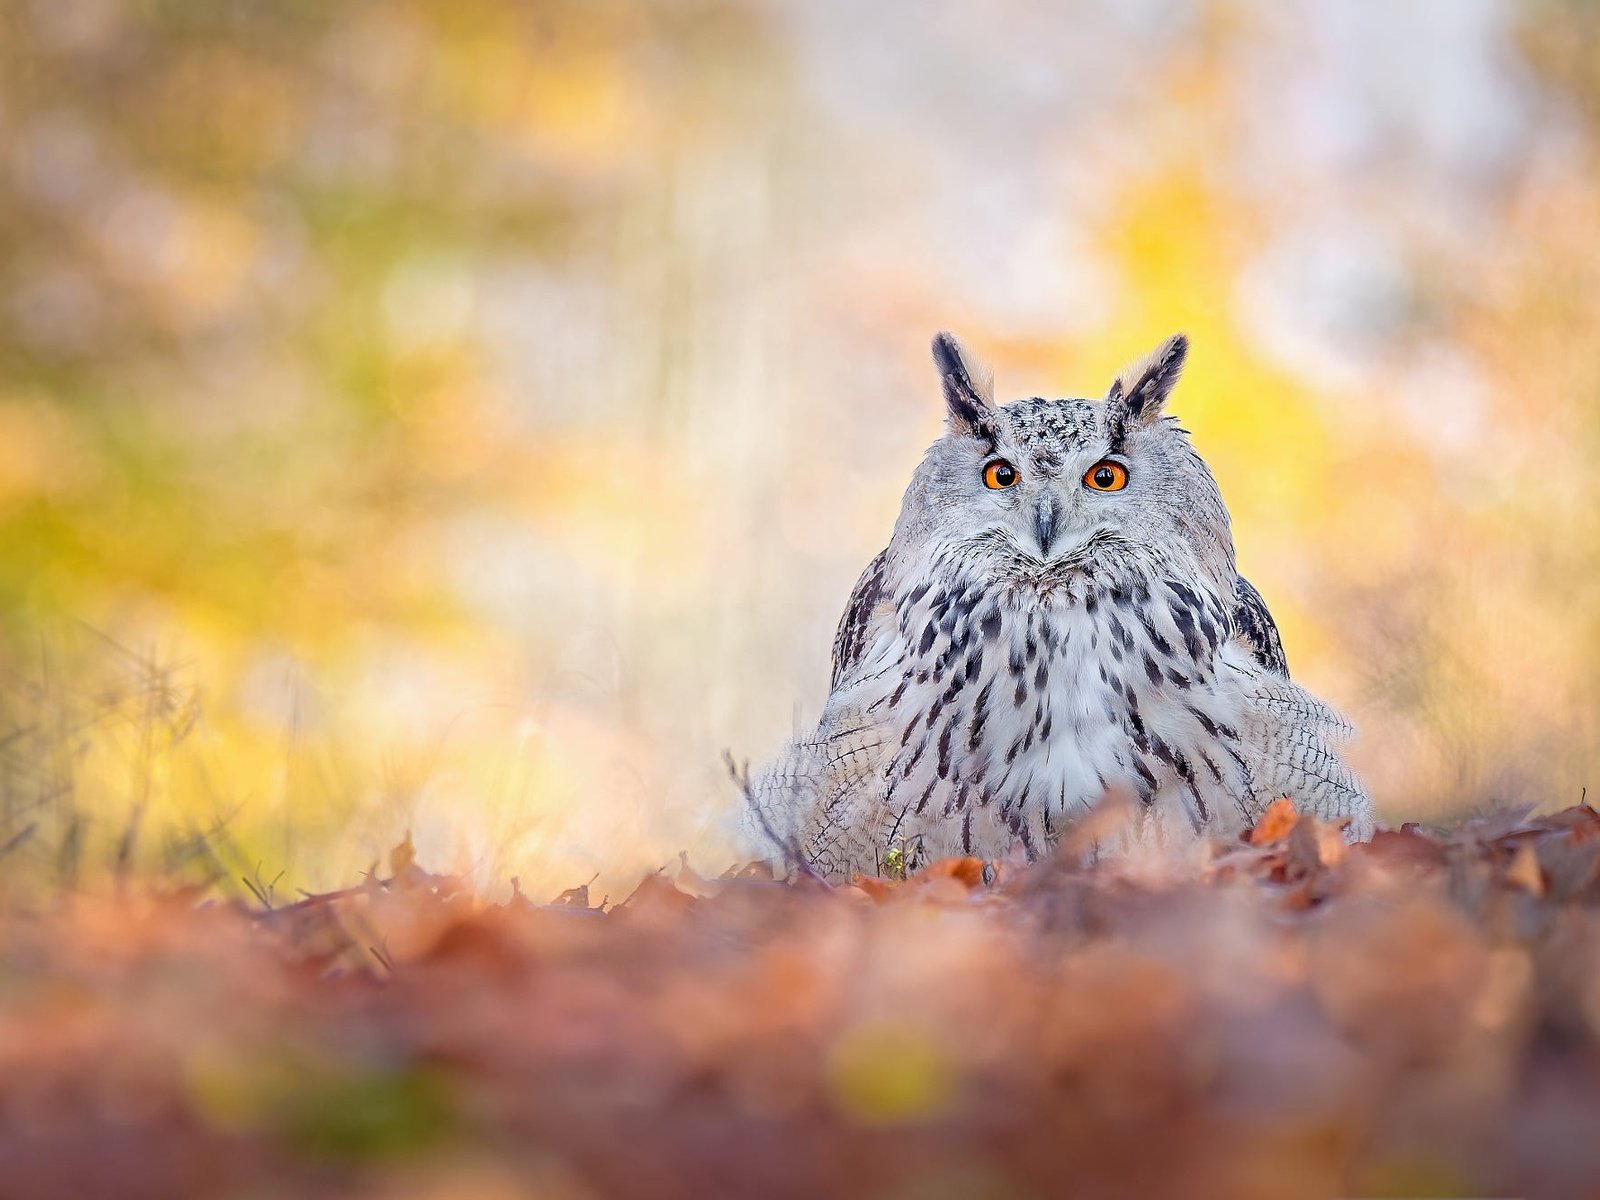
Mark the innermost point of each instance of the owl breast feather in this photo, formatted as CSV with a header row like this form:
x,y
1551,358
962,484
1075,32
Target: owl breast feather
x,y
1005,712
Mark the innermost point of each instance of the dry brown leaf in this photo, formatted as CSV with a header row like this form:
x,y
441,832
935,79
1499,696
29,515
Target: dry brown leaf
x,y
403,855
1404,847
758,869
573,897
656,895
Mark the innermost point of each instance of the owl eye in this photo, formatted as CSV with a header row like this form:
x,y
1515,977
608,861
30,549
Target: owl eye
x,y
1106,476
1000,475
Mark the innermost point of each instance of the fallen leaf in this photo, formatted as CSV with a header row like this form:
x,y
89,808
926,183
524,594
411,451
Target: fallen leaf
x,y
1524,872
964,870
1275,823
878,889
403,855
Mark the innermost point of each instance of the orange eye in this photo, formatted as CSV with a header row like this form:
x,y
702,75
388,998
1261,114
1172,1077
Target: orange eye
x,y
1106,476
1000,475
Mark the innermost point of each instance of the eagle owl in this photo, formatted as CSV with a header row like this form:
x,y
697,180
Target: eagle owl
x,y
1057,619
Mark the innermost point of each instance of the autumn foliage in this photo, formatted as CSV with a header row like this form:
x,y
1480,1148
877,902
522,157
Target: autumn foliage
x,y
1283,1016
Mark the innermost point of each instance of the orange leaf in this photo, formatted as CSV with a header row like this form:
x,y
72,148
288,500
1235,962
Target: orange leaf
x,y
1276,823
1331,846
965,870
878,889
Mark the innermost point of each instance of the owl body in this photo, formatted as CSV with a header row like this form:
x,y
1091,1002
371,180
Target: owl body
x,y
1032,642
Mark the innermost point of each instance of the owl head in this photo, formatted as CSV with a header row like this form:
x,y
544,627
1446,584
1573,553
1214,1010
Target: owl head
x,y
1045,489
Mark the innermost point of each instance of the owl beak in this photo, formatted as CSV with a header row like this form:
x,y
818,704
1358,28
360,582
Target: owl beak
x,y
1044,525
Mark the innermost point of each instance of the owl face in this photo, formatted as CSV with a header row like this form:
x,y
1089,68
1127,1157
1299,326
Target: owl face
x,y
1054,487
1048,483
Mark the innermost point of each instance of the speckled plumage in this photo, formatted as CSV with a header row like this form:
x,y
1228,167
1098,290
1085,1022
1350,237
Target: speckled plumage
x,y
1015,656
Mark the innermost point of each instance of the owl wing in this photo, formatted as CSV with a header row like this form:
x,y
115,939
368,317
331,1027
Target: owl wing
x,y
1253,625
867,604
811,802
1292,738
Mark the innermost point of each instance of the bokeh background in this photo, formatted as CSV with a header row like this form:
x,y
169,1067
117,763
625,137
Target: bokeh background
x,y
469,416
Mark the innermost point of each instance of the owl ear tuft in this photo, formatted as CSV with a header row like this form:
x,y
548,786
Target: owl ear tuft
x,y
968,387
1140,390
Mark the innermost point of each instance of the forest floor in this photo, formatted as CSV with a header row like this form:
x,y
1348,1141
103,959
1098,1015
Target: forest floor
x,y
1281,1016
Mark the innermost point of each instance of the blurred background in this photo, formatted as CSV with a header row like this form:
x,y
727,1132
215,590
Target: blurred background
x,y
469,416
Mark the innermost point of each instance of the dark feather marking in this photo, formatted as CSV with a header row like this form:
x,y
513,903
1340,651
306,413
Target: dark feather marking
x,y
962,793
1119,633
991,624
1147,782
1162,751
1253,622
850,640
1184,620
1161,643
916,755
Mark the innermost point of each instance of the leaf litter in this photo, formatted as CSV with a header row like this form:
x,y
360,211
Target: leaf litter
x,y
1280,1015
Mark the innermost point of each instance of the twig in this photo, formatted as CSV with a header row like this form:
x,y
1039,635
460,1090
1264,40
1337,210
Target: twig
x,y
16,839
257,892
311,899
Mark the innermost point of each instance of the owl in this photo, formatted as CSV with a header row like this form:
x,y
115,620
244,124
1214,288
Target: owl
x,y
1057,619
